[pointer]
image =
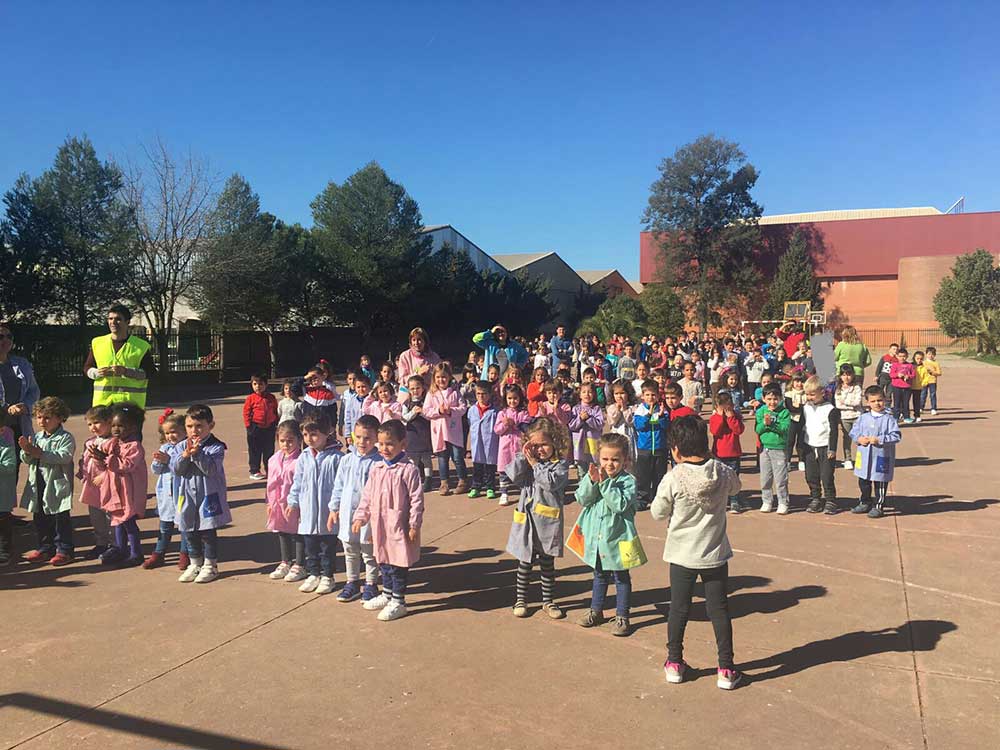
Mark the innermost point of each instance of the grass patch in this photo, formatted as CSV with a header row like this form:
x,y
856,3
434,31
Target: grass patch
x,y
990,359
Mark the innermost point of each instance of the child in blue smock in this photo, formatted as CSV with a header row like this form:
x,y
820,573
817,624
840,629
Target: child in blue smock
x,y
202,509
876,434
171,434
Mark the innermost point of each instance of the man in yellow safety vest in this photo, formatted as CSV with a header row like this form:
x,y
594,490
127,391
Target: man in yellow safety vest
x,y
118,363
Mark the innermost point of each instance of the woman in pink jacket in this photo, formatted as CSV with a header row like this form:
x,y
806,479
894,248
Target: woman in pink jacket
x,y
392,503
510,425
419,359
444,408
280,474
125,502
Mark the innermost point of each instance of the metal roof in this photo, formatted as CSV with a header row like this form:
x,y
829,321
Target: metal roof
x,y
514,261
592,277
848,215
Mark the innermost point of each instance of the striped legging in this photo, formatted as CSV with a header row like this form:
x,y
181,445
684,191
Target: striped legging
x,y
547,566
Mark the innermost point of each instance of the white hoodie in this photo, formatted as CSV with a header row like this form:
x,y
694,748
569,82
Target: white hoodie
x,y
694,497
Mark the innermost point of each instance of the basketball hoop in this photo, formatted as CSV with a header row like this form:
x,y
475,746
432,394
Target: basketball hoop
x,y
817,317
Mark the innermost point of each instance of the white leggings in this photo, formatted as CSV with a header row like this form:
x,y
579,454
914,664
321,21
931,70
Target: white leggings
x,y
354,553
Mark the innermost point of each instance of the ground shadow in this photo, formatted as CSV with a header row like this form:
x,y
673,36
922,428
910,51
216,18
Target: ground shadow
x,y
918,506
920,461
172,734
913,635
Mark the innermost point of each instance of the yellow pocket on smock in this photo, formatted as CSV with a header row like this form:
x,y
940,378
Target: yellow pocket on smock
x,y
546,510
520,517
632,553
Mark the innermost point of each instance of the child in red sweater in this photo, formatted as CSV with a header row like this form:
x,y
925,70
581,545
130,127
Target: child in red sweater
x,y
672,394
726,426
260,417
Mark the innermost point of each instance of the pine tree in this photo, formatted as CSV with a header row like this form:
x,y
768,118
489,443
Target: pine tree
x,y
794,280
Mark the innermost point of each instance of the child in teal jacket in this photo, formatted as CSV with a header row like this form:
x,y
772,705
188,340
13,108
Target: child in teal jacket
x,y
604,536
48,493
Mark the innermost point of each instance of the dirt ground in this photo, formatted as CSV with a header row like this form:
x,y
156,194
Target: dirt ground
x,y
854,633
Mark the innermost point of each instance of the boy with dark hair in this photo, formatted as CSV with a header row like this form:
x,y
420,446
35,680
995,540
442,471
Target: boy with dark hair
x,y
882,370
692,499
652,423
772,421
418,429
876,433
260,417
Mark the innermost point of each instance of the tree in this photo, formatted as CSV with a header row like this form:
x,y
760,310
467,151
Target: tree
x,y
664,309
170,202
26,290
252,271
368,235
72,226
795,279
967,303
622,315
705,221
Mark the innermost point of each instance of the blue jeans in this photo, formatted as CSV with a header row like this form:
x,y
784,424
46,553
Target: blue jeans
x,y
166,534
457,455
930,391
623,589
203,544
734,464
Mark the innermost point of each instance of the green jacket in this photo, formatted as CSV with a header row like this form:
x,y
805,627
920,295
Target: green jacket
x,y
56,467
774,435
856,355
607,524
8,479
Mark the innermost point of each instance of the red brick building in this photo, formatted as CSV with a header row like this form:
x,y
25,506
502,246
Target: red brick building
x,y
879,266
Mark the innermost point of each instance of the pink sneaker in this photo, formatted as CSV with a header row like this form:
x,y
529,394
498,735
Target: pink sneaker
x,y
728,678
674,670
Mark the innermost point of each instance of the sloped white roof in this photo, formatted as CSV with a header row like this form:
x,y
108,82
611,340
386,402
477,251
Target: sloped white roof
x,y
514,261
848,215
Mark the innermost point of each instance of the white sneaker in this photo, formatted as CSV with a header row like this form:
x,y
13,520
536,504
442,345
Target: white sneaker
x,y
392,611
782,510
309,585
296,573
848,464
208,573
325,585
933,412
920,419
765,507
802,465
504,499
192,571
378,602
280,572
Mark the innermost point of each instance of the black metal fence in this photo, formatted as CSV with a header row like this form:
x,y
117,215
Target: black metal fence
x,y
912,338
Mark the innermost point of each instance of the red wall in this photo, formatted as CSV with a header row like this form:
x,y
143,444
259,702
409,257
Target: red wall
x,y
873,247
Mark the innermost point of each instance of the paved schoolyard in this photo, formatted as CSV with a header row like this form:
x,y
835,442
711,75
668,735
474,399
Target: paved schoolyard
x,y
855,633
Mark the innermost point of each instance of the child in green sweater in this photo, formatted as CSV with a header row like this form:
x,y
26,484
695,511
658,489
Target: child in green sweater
x,y
773,420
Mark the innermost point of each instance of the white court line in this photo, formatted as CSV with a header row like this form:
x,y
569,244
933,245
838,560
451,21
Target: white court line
x,y
869,575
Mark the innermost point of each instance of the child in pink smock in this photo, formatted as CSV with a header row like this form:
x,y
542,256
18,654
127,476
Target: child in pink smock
x,y
444,408
280,473
392,503
510,425
125,500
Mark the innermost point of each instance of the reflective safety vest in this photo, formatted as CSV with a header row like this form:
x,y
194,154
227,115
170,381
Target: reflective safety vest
x,y
113,389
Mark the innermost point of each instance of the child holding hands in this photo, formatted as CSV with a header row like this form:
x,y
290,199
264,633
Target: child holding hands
x,y
604,536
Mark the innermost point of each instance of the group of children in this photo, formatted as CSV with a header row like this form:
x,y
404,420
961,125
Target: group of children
x,y
368,498
906,383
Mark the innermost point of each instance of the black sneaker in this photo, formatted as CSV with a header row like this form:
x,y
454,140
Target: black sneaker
x,y
735,507
815,506
96,552
112,556
830,508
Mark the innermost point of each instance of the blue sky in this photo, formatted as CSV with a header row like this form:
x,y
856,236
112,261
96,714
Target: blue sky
x,y
529,126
